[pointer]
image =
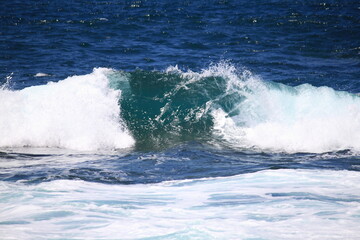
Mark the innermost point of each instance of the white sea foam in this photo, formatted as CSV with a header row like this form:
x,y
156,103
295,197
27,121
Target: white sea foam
x,y
7,83
276,117
41,75
304,118
273,204
80,112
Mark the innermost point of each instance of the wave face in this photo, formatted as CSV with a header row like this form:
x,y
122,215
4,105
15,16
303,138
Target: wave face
x,y
165,108
80,112
221,105
232,106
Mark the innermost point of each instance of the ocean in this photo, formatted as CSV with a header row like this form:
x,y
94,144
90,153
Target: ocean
x,y
217,119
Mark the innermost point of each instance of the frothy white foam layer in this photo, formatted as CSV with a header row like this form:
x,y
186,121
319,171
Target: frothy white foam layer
x,y
278,204
300,119
80,112
41,75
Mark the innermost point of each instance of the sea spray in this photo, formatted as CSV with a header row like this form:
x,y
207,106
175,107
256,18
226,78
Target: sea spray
x,y
80,112
7,82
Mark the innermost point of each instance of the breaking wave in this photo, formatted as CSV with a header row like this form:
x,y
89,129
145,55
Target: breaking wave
x,y
221,105
237,108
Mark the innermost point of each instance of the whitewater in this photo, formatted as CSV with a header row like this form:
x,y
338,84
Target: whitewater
x,y
79,112
281,203
233,107
163,120
79,122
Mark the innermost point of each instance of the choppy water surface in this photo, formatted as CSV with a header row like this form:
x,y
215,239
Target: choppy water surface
x,y
179,120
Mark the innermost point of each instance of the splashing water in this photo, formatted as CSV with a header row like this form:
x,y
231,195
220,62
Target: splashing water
x,y
80,112
221,104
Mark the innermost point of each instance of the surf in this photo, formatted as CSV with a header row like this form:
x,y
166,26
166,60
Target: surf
x,y
222,105
287,203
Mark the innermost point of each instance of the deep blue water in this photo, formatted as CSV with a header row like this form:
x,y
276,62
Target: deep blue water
x,y
283,41
178,91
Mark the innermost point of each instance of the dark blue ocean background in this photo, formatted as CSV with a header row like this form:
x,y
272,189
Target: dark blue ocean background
x,y
309,50
291,42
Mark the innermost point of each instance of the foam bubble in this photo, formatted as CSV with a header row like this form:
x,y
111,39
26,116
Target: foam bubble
x,y
41,75
80,112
